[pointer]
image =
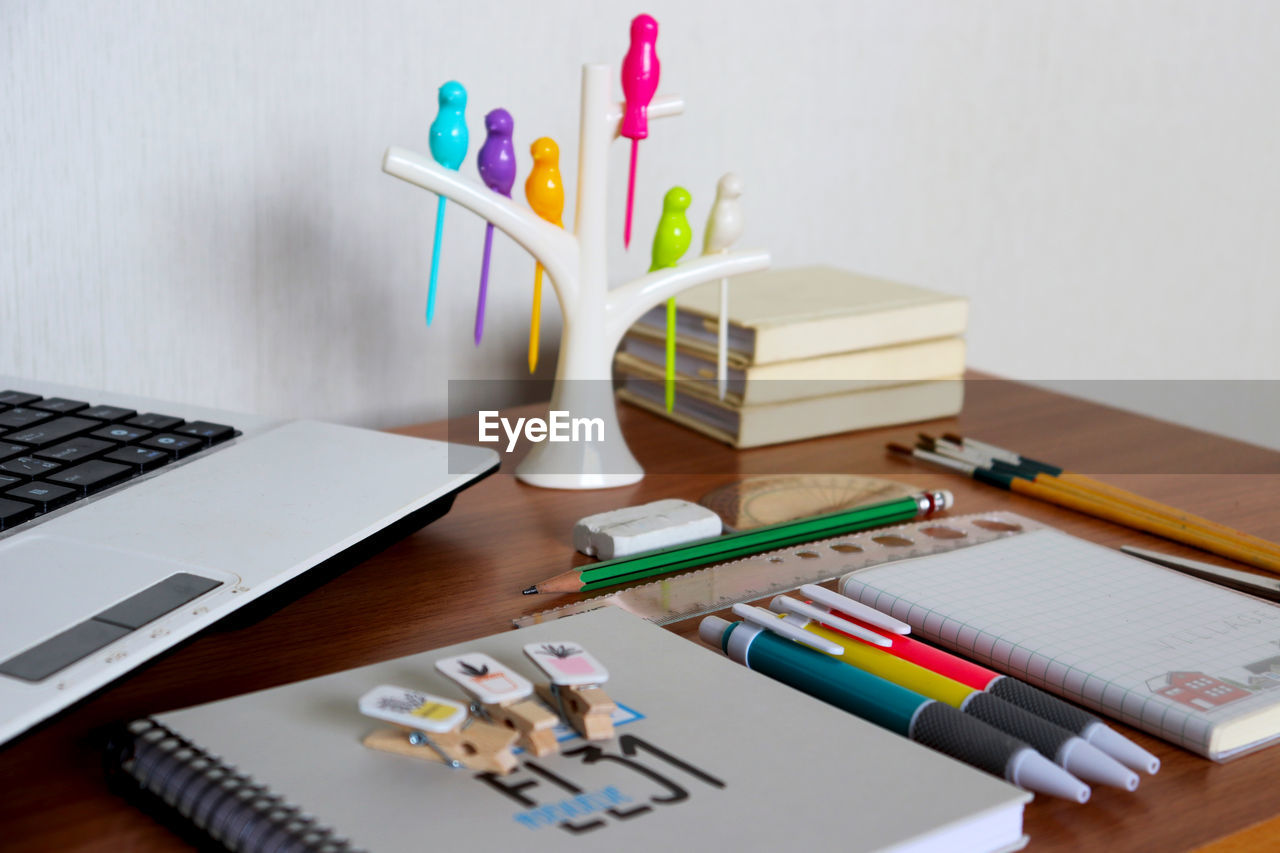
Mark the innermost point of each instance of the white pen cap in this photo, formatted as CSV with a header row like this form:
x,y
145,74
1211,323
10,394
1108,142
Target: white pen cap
x,y
711,630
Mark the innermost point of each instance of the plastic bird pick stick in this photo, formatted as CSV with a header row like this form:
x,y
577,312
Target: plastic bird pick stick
x,y
497,163
448,142
670,242
639,83
545,191
724,227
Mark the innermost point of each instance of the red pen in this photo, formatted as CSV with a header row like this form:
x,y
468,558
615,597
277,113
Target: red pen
x,y
979,677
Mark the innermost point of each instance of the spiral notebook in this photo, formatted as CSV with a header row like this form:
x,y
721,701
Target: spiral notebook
x,y
1184,659
706,754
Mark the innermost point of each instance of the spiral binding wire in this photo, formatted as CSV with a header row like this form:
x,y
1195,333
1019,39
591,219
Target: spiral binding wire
x,y
234,810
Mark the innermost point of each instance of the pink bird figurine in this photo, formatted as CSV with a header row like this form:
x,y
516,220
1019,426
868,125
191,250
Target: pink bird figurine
x,y
639,83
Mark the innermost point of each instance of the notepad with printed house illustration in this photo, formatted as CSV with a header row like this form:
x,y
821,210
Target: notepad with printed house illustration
x,y
1186,660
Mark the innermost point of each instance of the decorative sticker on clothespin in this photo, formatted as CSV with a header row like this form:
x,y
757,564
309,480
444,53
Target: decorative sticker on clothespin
x,y
484,678
574,690
436,729
567,663
503,696
412,709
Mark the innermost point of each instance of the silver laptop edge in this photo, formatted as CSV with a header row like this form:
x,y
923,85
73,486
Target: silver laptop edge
x,y
250,515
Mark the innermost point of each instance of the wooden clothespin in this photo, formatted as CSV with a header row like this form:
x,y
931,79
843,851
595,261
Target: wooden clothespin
x,y
436,729
575,690
502,696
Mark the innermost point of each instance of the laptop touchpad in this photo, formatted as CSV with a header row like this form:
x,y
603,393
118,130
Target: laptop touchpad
x,y
50,583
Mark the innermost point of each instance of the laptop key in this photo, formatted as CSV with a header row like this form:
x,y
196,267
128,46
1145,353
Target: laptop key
x,y
7,480
139,458
7,449
52,432
28,467
176,445
92,476
22,417
155,601
13,513
45,496
59,405
75,450
122,433
57,653
155,422
209,432
17,398
107,413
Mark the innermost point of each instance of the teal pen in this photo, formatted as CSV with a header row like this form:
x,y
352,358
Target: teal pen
x,y
926,721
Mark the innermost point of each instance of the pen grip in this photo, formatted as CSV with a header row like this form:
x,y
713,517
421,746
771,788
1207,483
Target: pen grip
x,y
1040,734
970,740
1041,704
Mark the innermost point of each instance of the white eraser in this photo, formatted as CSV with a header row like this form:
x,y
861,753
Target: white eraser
x,y
633,529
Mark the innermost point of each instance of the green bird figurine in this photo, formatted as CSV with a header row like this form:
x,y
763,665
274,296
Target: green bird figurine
x,y
670,242
674,235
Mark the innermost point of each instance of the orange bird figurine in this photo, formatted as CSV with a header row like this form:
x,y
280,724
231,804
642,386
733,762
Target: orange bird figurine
x,y
639,83
545,191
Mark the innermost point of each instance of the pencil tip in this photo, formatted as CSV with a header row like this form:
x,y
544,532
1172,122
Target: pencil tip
x,y
898,448
533,590
953,438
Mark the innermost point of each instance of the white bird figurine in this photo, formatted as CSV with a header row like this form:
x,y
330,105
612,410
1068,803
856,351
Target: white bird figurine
x,y
724,227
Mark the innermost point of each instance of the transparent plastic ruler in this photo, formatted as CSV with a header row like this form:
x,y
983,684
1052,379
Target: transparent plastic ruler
x,y
703,591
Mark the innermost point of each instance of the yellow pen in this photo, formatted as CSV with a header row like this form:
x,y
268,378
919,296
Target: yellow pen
x,y
1064,748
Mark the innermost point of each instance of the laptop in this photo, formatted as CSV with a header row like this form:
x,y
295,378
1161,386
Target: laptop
x,y
128,525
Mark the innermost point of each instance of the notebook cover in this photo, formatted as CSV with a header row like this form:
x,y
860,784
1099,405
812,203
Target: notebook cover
x,y
761,384
793,420
785,314
712,754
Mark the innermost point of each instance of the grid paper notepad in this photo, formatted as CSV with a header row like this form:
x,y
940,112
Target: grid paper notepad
x,y
1184,659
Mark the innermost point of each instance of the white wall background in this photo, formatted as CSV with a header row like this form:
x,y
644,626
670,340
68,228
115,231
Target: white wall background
x,y
191,204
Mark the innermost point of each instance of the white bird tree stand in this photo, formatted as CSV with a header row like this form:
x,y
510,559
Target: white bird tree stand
x,y
594,317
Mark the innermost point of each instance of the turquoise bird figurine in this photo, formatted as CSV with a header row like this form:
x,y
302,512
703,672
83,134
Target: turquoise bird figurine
x,y
670,242
448,141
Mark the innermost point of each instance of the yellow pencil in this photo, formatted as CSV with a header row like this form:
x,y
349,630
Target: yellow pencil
x,y
1130,516
1089,484
1049,490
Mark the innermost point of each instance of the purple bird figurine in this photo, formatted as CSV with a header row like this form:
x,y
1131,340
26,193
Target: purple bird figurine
x,y
497,164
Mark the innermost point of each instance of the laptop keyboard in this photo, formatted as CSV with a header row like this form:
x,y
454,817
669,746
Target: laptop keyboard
x,y
55,451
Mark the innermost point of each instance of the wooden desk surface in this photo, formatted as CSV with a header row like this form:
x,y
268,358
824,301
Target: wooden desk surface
x,y
461,578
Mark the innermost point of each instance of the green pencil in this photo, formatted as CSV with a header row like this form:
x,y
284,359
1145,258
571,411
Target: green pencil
x,y
742,544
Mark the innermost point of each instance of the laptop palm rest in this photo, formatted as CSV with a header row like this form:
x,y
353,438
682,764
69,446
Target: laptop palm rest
x,y
48,584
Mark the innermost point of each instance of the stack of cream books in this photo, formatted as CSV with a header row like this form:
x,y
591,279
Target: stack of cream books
x,y
812,351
